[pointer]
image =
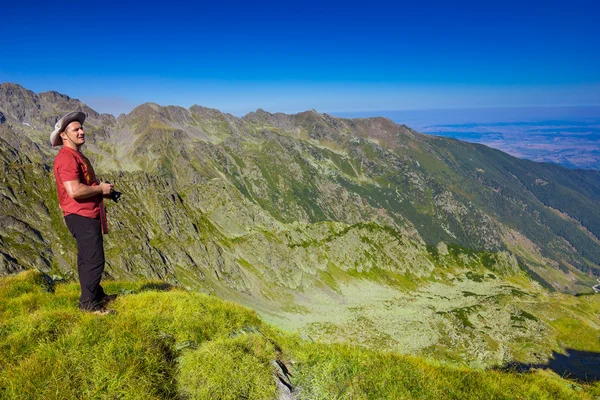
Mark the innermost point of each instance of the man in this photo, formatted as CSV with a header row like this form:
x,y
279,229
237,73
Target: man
x,y
81,198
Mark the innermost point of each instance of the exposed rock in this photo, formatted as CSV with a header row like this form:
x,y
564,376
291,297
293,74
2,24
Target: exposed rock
x,y
442,249
282,376
9,265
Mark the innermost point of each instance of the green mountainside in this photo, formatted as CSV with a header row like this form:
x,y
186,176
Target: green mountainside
x,y
357,230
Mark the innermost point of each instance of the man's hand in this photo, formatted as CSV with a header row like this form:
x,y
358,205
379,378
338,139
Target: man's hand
x,y
107,188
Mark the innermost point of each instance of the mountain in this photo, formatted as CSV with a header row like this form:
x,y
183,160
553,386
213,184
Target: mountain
x,y
340,229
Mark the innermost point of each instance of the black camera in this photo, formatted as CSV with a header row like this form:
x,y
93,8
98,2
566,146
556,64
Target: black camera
x,y
115,196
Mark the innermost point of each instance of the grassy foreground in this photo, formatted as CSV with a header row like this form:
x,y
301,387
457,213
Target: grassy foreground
x,y
166,343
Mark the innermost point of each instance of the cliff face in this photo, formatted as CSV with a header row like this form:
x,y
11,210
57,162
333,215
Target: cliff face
x,y
279,210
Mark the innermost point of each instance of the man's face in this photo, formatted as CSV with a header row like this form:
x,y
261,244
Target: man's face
x,y
74,131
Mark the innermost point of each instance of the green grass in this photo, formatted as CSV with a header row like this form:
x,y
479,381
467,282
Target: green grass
x,y
50,350
346,372
167,343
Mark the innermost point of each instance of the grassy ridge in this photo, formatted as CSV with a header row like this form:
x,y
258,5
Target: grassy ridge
x,y
168,343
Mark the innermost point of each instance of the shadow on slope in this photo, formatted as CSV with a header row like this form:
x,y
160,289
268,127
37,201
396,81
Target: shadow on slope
x,y
156,286
575,364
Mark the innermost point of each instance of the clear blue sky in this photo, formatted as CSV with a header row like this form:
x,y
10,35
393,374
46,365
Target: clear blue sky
x,y
293,56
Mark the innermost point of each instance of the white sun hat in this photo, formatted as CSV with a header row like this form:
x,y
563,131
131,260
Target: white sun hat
x,y
62,123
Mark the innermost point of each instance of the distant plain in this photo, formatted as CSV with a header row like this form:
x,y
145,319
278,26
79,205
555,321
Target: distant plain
x,y
568,136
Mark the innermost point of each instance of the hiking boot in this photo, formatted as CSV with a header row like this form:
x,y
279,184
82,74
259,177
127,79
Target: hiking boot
x,y
107,299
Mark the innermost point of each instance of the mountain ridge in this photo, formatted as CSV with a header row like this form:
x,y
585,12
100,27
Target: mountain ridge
x,y
282,212
157,114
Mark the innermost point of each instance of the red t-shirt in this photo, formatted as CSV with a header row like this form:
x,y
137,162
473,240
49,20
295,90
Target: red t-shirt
x,y
71,165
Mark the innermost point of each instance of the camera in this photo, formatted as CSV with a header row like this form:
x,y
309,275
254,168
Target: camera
x,y
114,196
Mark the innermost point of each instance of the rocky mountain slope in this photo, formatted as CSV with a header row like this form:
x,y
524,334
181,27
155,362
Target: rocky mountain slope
x,y
360,229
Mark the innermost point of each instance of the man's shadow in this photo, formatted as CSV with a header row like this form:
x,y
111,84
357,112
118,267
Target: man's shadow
x,y
158,286
575,364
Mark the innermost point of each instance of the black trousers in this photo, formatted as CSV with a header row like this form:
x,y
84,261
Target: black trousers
x,y
90,258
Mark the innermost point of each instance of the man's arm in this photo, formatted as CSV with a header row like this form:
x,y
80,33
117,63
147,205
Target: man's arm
x,y
78,190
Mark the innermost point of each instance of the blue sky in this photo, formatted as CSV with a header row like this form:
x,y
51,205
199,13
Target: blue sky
x,y
293,56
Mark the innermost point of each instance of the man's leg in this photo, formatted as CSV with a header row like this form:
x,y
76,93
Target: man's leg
x,y
90,259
